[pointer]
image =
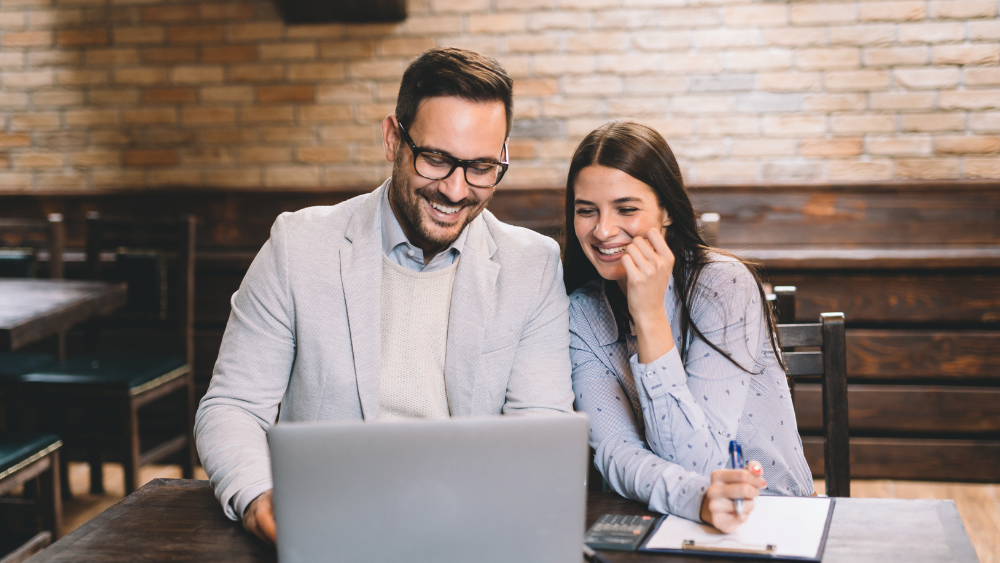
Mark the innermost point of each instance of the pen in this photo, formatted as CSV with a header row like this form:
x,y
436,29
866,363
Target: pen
x,y
736,453
592,556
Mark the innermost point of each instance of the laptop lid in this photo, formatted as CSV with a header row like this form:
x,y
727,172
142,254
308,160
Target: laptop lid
x,y
451,491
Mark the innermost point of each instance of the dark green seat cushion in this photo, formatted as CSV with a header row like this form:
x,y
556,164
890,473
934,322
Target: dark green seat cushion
x,y
15,364
16,447
122,371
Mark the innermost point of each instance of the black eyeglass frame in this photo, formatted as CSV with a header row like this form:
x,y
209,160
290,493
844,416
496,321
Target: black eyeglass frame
x,y
456,162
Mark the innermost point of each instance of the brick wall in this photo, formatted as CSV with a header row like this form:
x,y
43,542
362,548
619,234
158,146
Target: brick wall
x,y
112,94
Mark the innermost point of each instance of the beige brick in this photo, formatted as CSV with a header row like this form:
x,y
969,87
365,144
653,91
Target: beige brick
x,y
556,149
927,78
543,21
863,35
138,35
118,178
954,144
237,94
169,95
291,176
970,99
711,126
527,176
15,181
346,133
170,55
669,128
417,25
351,49
325,113
518,66
461,6
196,74
834,102
254,31
265,155
763,59
563,64
597,41
237,178
485,44
148,116
963,9
932,122
349,92
703,104
831,147
517,5
316,71
902,100
374,29
793,125
982,54
981,76
37,59
636,107
795,36
279,94
208,155
115,57
905,10
113,96
856,80
28,80
662,40
726,172
288,51
536,87
534,43
173,178
323,155
195,34
934,32
862,124
764,147
725,38
756,15
375,69
859,170
287,134
256,73
12,20
826,12
910,145
654,84
13,100
497,23
568,108
140,76
679,63
984,30
982,167
7,140
387,91
268,114
38,159
82,77
927,168
824,58
51,18
95,158
894,56
405,46
199,116
16,60
593,85
686,149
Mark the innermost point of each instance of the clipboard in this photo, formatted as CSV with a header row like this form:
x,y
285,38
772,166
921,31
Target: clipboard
x,y
779,528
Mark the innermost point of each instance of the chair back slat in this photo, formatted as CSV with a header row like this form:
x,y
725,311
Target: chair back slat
x,y
33,236
801,364
794,336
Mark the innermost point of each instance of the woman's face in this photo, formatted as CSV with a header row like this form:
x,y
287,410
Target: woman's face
x,y
610,208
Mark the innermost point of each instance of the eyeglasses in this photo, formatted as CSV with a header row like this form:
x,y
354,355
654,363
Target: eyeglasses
x,y
435,165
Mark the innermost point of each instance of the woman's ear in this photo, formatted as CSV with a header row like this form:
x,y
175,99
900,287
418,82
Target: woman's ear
x,y
667,220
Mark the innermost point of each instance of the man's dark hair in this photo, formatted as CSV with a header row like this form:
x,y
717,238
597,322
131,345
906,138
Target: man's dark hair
x,y
448,71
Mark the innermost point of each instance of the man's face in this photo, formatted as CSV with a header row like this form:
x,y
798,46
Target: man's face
x,y
433,213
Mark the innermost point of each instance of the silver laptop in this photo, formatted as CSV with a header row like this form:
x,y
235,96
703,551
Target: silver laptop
x,y
452,491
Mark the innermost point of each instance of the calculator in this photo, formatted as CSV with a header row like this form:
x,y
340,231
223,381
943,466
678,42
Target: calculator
x,y
619,532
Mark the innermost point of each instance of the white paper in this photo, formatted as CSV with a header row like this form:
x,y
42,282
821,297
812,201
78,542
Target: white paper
x,y
793,524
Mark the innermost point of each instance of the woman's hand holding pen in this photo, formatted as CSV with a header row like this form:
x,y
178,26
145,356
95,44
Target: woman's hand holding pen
x,y
718,509
648,263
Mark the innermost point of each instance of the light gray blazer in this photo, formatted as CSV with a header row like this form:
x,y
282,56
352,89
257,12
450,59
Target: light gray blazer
x,y
304,333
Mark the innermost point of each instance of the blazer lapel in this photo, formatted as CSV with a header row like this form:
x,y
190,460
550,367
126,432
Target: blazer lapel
x,y
361,276
473,298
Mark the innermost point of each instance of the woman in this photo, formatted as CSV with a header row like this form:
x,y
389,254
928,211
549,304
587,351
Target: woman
x,y
672,342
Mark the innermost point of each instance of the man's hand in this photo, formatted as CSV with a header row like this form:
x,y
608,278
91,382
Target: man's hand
x,y
717,507
259,518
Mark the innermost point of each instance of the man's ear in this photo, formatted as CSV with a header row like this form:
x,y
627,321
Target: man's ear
x,y
390,137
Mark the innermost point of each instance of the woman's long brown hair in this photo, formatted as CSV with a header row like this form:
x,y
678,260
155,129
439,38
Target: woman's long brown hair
x,y
640,152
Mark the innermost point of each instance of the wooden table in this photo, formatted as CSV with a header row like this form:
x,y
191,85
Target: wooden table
x,y
180,520
32,309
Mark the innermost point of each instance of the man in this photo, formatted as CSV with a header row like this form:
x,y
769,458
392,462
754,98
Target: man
x,y
407,302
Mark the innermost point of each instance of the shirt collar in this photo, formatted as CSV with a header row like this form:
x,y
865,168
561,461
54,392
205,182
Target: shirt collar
x,y
393,235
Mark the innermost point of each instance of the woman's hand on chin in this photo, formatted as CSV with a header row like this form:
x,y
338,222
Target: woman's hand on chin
x,y
717,507
648,263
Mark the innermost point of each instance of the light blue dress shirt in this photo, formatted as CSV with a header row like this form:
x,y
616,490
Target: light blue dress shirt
x,y
661,429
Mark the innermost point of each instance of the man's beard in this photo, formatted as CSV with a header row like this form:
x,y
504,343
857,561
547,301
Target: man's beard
x,y
406,202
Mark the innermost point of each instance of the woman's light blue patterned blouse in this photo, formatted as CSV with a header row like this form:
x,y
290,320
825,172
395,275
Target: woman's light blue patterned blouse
x,y
660,429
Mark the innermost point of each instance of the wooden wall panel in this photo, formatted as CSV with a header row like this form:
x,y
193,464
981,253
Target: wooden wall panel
x,y
914,409
920,354
923,460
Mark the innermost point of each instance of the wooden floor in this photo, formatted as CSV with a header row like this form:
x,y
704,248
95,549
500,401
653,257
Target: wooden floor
x,y
979,505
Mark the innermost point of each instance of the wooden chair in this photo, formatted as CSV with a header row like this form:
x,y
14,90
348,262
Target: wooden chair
x,y
830,364
31,461
104,389
23,241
